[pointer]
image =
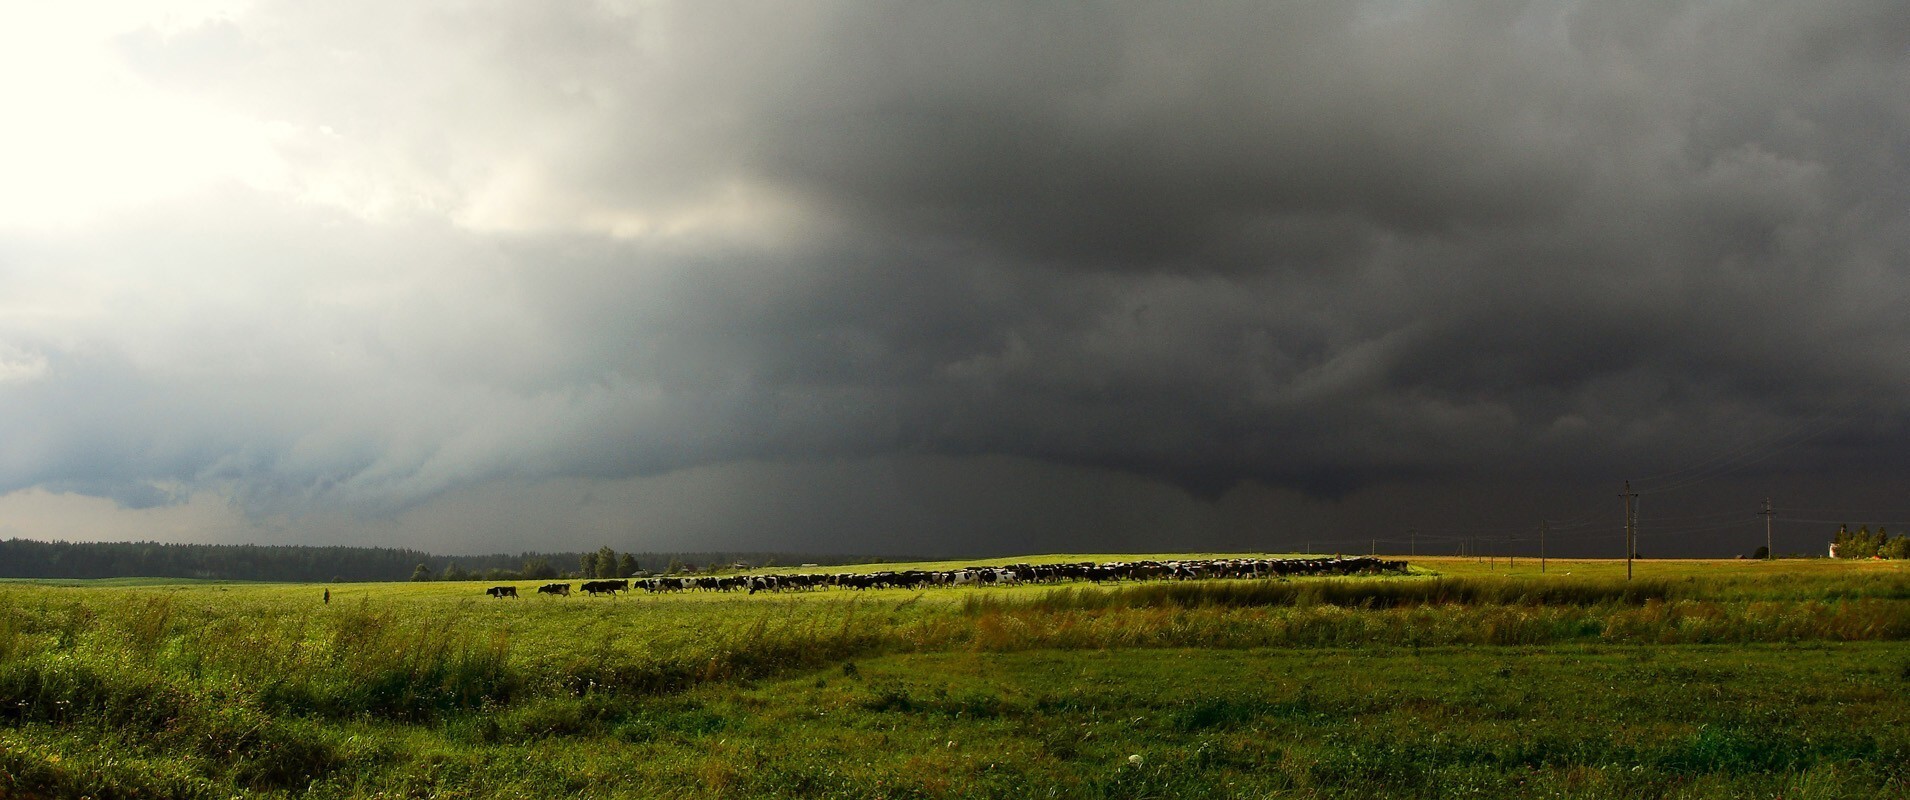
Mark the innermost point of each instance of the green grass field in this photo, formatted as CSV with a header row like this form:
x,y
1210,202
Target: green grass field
x,y
1466,679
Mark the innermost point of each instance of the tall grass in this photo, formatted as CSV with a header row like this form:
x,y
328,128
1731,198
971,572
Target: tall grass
x,y
263,688
1678,622
795,639
10,633
382,660
147,623
62,656
1426,613
370,660
1352,593
1789,586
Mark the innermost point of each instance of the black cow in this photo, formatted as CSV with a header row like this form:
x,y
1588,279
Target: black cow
x,y
554,588
502,591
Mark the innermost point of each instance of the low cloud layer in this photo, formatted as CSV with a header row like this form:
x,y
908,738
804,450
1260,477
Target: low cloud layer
x,y
1316,254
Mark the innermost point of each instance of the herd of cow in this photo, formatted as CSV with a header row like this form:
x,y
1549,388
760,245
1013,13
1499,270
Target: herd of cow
x,y
1189,569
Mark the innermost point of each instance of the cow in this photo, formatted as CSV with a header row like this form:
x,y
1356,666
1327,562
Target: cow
x,y
983,576
502,591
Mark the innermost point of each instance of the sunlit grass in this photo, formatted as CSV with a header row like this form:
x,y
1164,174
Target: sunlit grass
x,y
196,689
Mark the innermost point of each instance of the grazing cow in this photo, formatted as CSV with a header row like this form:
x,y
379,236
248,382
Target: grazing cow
x,y
982,576
502,591
555,588
605,587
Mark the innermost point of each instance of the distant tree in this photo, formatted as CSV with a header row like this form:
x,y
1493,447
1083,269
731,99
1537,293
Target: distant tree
x,y
453,572
587,565
626,565
1898,547
606,563
1865,541
22,558
421,573
675,566
1761,552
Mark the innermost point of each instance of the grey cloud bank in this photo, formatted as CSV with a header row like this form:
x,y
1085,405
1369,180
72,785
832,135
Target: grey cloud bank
x,y
973,277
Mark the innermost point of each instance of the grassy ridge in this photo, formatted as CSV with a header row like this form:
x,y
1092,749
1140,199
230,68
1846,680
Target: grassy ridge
x,y
200,690
1368,593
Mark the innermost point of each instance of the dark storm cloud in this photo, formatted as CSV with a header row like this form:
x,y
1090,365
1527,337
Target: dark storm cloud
x,y
1332,246
1165,137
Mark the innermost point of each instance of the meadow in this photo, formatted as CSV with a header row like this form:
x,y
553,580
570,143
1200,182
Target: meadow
x,y
1465,679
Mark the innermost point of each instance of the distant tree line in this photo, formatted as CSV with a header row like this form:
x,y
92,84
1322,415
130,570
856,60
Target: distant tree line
x,y
26,558
608,563
1867,544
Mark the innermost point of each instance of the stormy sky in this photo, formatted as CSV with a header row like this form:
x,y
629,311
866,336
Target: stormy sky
x,y
954,278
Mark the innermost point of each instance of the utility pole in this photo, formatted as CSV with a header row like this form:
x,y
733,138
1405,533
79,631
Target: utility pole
x,y
1629,496
1412,539
1769,551
1542,526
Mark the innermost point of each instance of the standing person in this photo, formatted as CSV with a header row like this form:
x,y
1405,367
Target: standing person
x,y
328,597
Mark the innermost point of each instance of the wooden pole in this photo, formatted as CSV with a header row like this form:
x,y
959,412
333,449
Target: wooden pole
x,y
1769,551
1629,495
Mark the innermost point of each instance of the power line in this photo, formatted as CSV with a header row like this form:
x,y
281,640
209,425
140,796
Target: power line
x,y
1702,517
1885,523
1722,526
1743,458
1725,458
1857,512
